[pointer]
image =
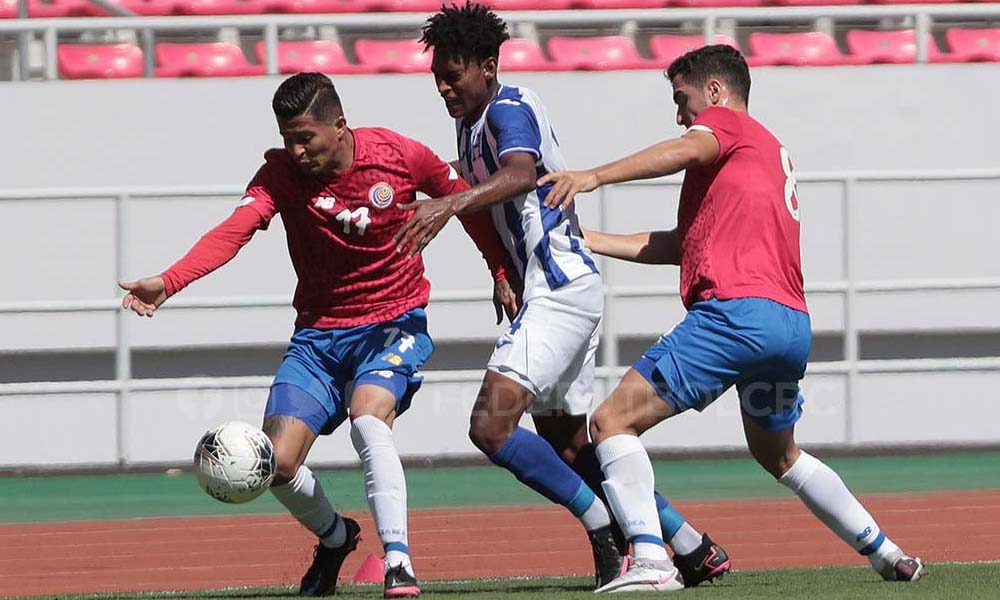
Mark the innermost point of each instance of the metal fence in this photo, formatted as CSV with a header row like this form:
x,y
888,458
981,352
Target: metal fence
x,y
923,18
848,288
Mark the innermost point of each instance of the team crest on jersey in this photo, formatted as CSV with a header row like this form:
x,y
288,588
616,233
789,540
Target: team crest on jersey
x,y
381,194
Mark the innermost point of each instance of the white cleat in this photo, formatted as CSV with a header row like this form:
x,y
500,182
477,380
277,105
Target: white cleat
x,y
645,576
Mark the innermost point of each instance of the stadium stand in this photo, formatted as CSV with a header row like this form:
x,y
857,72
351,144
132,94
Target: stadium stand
x,y
665,47
103,61
523,54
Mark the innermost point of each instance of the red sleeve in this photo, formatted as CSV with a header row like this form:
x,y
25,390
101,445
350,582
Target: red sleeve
x,y
724,124
214,249
437,178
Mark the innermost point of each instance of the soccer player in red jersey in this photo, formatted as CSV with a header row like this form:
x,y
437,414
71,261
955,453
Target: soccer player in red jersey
x,y
737,243
361,332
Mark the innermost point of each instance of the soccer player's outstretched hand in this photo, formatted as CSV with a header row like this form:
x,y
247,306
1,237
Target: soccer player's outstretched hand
x,y
566,185
429,217
505,300
144,296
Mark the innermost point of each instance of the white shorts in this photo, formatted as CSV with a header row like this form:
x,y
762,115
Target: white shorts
x,y
550,347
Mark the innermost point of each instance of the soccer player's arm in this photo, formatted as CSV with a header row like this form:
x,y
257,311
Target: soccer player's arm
x,y
437,178
711,138
519,147
214,249
649,247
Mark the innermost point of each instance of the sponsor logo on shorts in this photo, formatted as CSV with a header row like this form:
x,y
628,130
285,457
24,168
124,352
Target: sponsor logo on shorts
x,y
381,194
394,359
384,374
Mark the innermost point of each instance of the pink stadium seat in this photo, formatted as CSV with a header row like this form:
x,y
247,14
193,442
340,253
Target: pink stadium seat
x,y
522,54
203,60
711,3
322,56
913,1
102,61
971,45
869,47
607,53
62,8
666,48
331,6
420,6
393,56
813,2
801,49
613,4
528,4
8,9
221,7
152,8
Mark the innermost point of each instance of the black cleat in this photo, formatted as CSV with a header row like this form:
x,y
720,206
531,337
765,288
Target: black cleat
x,y
321,578
608,561
706,563
400,584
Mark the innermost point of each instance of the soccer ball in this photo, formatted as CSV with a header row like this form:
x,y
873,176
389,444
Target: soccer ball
x,y
234,462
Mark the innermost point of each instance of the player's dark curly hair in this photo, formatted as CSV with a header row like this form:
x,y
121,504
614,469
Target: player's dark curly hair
x,y
720,60
311,93
467,32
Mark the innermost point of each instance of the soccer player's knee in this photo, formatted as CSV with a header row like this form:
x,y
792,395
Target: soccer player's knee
x,y
775,461
487,435
286,466
603,424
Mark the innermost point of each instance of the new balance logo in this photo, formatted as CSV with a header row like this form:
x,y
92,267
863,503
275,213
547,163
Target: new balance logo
x,y
867,532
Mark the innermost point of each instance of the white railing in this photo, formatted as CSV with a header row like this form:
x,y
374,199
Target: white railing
x,y
923,17
849,288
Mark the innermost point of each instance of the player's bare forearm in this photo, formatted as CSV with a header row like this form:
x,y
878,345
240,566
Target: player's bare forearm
x,y
696,148
516,176
650,247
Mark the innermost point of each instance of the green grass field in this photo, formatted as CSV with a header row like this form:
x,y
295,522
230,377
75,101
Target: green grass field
x,y
960,581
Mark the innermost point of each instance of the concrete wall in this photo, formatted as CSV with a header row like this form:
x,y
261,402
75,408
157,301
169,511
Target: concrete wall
x,y
211,132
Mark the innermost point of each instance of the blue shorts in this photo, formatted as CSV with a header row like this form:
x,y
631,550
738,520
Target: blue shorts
x,y
321,367
757,345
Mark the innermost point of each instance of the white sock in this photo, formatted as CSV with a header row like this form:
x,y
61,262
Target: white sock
x,y
826,495
629,488
303,497
385,486
686,540
596,516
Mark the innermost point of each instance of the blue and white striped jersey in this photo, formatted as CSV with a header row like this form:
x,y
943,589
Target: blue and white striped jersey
x,y
545,245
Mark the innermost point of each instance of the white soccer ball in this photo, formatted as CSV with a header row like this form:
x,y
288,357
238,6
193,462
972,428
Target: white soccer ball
x,y
234,462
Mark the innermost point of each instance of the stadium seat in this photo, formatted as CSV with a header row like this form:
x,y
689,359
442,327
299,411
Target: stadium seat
x,y
869,47
332,6
62,8
972,45
801,49
666,48
392,56
102,61
203,60
522,54
614,4
913,1
813,2
8,9
221,7
420,6
151,8
607,53
529,4
323,56
713,3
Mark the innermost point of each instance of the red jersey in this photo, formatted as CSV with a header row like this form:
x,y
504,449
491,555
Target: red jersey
x,y
340,230
738,218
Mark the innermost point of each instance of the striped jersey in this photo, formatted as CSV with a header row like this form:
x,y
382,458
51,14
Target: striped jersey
x,y
545,245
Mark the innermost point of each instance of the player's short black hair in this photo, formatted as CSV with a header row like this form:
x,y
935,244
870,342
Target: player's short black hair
x,y
720,60
472,31
311,93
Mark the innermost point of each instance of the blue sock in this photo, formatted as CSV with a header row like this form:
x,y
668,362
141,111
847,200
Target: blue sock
x,y
670,520
535,463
